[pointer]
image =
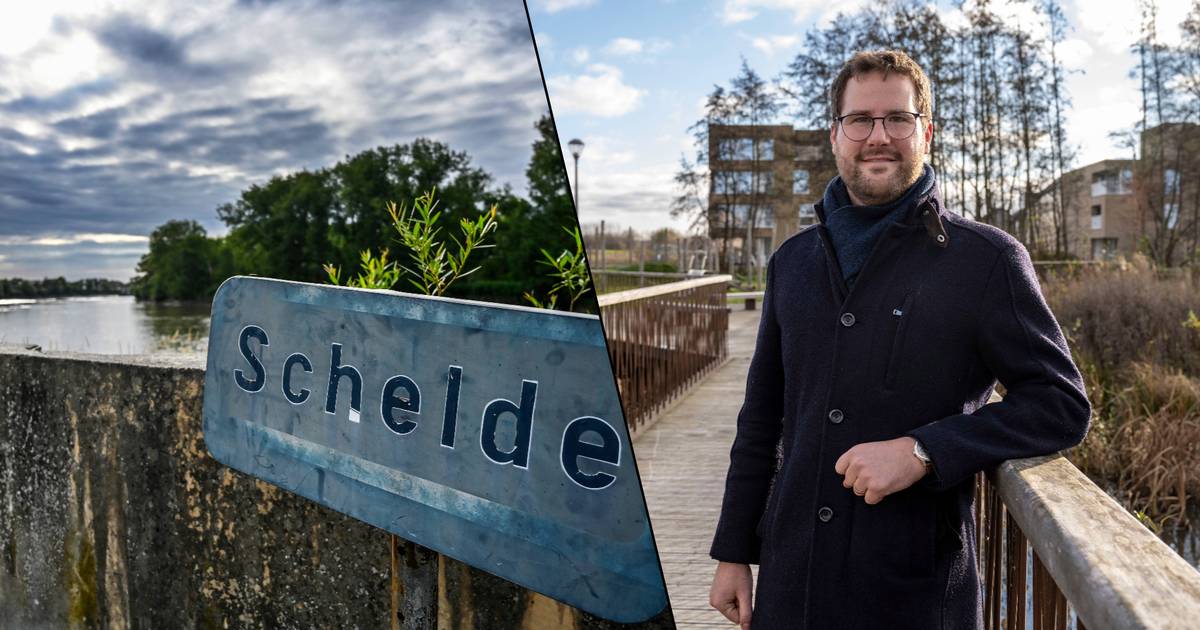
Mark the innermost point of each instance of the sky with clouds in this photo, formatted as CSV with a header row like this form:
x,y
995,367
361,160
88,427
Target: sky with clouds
x,y
629,78
116,116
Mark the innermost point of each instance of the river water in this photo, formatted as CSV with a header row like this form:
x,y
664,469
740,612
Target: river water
x,y
107,324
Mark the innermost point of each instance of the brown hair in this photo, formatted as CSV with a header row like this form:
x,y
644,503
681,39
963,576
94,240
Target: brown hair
x,y
887,62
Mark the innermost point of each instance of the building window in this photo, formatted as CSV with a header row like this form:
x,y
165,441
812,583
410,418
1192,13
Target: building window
x,y
799,182
1097,218
743,149
807,214
1171,185
1112,183
766,218
737,213
735,149
766,149
1104,248
731,215
1171,214
741,182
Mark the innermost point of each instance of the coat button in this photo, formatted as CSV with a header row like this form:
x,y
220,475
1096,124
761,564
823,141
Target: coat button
x,y
825,514
836,416
847,319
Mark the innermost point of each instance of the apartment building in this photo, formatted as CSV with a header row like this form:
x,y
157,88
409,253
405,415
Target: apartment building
x,y
764,181
1118,207
1101,211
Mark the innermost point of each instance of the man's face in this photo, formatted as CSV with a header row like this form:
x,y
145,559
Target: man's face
x,y
879,169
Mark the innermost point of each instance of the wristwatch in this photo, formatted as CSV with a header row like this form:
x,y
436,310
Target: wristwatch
x,y
919,453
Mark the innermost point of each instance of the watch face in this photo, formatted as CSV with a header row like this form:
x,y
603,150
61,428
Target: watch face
x,y
919,451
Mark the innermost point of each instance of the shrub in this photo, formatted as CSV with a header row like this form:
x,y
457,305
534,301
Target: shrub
x,y
1117,315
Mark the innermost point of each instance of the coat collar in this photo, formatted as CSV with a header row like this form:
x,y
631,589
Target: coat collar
x,y
927,212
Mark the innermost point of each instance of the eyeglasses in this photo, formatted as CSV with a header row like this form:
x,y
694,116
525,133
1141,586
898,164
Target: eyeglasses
x,y
897,125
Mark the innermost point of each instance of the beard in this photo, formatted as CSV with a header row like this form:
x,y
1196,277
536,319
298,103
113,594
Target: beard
x,y
872,190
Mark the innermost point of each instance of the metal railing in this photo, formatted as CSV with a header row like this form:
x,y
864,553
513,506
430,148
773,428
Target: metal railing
x,y
662,339
1092,562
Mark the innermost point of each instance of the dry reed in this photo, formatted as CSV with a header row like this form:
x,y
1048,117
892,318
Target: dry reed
x,y
1135,335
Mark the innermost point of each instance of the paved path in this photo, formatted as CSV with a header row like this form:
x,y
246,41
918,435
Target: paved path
x,y
682,460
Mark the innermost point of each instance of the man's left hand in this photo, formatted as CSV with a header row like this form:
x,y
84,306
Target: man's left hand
x,y
877,469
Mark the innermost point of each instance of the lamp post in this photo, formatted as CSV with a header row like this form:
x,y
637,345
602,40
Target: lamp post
x,y
576,147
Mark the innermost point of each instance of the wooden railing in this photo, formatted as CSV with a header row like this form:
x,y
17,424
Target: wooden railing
x,y
662,339
613,281
1092,562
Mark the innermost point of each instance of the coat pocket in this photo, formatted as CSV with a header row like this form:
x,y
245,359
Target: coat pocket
x,y
901,315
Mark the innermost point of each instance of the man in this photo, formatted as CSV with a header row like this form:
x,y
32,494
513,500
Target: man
x,y
884,329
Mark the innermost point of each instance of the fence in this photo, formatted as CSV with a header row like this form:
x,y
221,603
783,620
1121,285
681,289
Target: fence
x,y
662,339
1089,555
613,281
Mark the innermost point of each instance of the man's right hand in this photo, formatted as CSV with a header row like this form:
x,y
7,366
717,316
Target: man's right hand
x,y
730,593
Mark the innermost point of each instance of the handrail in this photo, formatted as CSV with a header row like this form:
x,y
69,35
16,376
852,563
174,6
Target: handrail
x,y
647,274
1114,572
661,339
610,299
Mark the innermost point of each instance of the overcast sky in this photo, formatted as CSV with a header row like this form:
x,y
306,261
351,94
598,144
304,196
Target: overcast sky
x,y
629,78
118,116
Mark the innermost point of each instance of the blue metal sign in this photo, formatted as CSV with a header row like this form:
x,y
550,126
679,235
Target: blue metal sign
x,y
489,433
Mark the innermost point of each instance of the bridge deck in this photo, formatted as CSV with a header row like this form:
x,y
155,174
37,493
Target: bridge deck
x,y
682,459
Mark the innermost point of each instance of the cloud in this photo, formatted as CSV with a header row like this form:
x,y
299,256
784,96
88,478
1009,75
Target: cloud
x,y
630,197
772,44
625,46
1074,53
113,123
554,6
1117,26
138,43
735,11
74,261
600,92
72,239
605,152
580,55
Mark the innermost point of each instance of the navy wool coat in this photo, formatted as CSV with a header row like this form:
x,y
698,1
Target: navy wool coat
x,y
942,309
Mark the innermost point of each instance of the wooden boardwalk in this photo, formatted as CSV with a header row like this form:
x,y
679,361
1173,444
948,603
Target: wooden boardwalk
x,y
682,460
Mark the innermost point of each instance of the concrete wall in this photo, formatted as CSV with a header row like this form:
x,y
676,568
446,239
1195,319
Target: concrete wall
x,y
113,514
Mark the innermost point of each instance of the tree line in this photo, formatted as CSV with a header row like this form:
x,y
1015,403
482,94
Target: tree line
x,y
999,103
1165,139
11,288
291,225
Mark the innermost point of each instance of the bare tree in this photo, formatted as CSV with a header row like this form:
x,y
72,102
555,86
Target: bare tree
x,y
756,107
728,168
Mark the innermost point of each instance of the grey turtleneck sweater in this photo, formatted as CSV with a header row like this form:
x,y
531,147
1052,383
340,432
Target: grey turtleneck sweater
x,y
854,229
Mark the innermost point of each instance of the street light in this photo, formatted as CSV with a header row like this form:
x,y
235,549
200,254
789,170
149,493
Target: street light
x,y
576,147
